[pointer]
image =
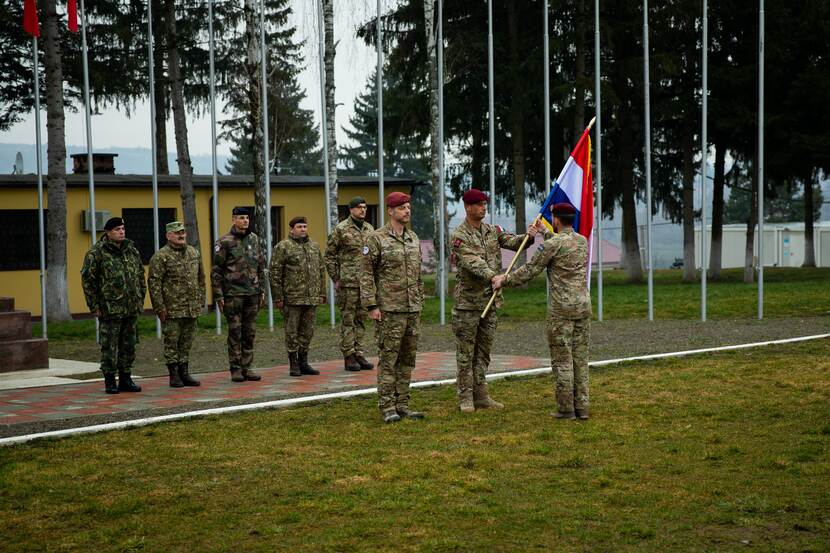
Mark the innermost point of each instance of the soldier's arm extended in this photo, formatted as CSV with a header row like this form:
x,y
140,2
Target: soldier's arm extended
x,y
332,263
217,273
275,273
510,241
368,288
466,258
89,281
540,261
155,281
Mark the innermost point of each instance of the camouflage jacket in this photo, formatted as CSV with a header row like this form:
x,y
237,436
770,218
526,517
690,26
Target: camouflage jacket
x,y
176,281
238,266
565,256
297,273
113,279
391,278
344,252
478,258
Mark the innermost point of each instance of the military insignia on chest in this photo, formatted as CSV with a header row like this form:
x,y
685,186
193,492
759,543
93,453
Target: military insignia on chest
x,y
365,250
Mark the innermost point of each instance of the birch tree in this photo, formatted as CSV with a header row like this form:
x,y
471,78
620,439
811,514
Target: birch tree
x,y
254,115
328,60
432,64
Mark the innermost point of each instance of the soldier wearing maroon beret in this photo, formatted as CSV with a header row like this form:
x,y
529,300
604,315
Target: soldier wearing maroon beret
x,y
476,247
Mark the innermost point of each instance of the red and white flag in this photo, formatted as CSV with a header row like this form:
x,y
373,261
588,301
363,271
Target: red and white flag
x,y
30,22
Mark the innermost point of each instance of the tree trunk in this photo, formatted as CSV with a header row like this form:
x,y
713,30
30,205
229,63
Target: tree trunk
x,y
579,72
254,115
516,126
330,46
180,125
160,89
57,296
689,271
631,260
749,250
809,206
437,193
715,253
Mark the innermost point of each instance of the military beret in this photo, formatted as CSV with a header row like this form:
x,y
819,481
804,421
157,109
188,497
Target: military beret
x,y
474,195
563,208
394,199
356,201
241,211
297,219
113,222
175,226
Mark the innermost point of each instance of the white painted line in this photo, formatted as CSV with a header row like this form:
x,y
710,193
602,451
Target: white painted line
x,y
367,391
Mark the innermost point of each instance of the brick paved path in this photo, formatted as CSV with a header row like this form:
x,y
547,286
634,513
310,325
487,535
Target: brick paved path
x,y
54,403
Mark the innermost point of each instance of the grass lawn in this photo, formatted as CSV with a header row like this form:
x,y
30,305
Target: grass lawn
x,y
713,453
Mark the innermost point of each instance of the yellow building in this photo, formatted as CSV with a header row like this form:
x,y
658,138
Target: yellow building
x,y
130,197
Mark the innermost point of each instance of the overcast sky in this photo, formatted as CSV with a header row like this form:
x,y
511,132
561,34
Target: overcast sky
x,y
353,64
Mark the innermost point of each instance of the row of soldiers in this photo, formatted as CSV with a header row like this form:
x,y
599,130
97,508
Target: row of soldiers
x,y
377,276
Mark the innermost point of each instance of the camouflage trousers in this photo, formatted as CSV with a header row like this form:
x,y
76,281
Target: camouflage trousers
x,y
299,326
568,341
241,312
473,341
178,339
397,336
352,321
118,340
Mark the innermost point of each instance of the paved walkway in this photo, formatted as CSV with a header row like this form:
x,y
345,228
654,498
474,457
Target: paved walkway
x,y
86,398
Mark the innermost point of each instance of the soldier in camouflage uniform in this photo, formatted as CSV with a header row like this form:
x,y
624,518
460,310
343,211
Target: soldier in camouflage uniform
x,y
392,290
113,283
344,262
298,280
565,257
476,247
239,280
177,290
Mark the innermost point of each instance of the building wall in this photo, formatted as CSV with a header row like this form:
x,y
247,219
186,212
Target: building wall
x,y
24,285
783,245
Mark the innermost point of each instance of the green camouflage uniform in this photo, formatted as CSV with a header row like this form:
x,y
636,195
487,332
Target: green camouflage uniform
x,y
477,255
391,281
176,281
565,256
298,280
113,283
238,277
344,263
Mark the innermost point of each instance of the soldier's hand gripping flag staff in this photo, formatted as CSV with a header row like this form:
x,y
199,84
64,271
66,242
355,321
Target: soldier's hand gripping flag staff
x,y
574,186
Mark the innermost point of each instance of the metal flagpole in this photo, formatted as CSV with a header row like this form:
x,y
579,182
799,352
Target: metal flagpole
x,y
324,127
381,193
153,137
41,238
492,112
599,156
266,153
215,181
88,117
441,201
761,161
546,50
648,163
704,150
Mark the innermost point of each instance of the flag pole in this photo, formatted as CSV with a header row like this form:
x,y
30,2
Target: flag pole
x,y
379,76
41,238
648,162
266,155
442,199
598,118
761,161
155,178
214,179
704,150
491,111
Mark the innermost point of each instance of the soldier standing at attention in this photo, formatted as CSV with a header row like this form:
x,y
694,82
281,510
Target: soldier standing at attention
x,y
177,290
565,257
392,290
239,280
298,280
344,262
113,283
477,250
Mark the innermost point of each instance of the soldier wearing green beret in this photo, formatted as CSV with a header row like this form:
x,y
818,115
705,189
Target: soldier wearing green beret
x,y
177,291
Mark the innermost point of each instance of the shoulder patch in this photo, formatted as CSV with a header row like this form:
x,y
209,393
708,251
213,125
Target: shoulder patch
x,y
365,250
499,228
218,247
456,243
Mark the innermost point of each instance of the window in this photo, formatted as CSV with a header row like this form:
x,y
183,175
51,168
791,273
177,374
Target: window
x,y
138,224
18,234
371,213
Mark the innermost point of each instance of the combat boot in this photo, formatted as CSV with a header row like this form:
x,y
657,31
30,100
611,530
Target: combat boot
x,y
305,368
126,384
351,363
184,375
582,414
175,379
236,375
466,403
110,385
482,399
249,374
364,364
294,365
564,415
391,416
405,411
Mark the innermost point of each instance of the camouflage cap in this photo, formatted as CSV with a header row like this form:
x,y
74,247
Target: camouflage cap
x,y
175,226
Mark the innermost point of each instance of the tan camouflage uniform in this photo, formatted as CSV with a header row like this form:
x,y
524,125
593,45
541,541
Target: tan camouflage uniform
x,y
176,281
239,277
391,281
477,255
298,280
344,263
565,256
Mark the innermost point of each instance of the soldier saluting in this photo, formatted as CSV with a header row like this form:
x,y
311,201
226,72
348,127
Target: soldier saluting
x,y
177,290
